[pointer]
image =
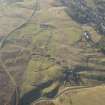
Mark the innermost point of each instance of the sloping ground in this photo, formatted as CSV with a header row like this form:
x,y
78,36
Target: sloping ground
x,y
86,96
38,53
13,15
90,96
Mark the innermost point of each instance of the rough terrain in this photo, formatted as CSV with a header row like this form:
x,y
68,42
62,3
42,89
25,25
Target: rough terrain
x,y
44,58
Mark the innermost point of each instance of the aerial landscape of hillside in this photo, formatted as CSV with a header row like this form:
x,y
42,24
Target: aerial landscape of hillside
x,y
52,52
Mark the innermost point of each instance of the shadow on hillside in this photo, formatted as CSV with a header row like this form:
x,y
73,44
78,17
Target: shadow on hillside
x,y
30,97
35,94
72,76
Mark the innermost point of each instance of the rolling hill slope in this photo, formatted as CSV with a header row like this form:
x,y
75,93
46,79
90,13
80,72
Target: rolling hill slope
x,y
49,53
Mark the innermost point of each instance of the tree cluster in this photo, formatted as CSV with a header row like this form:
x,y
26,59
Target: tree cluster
x,y
83,13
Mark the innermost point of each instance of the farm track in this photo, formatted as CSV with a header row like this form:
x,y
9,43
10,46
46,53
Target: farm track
x,y
46,47
40,70
2,43
20,26
16,91
64,91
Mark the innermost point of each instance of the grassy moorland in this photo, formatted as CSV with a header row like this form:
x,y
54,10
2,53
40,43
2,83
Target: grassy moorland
x,y
46,56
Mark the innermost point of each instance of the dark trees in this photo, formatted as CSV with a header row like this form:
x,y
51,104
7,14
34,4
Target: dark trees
x,y
83,13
